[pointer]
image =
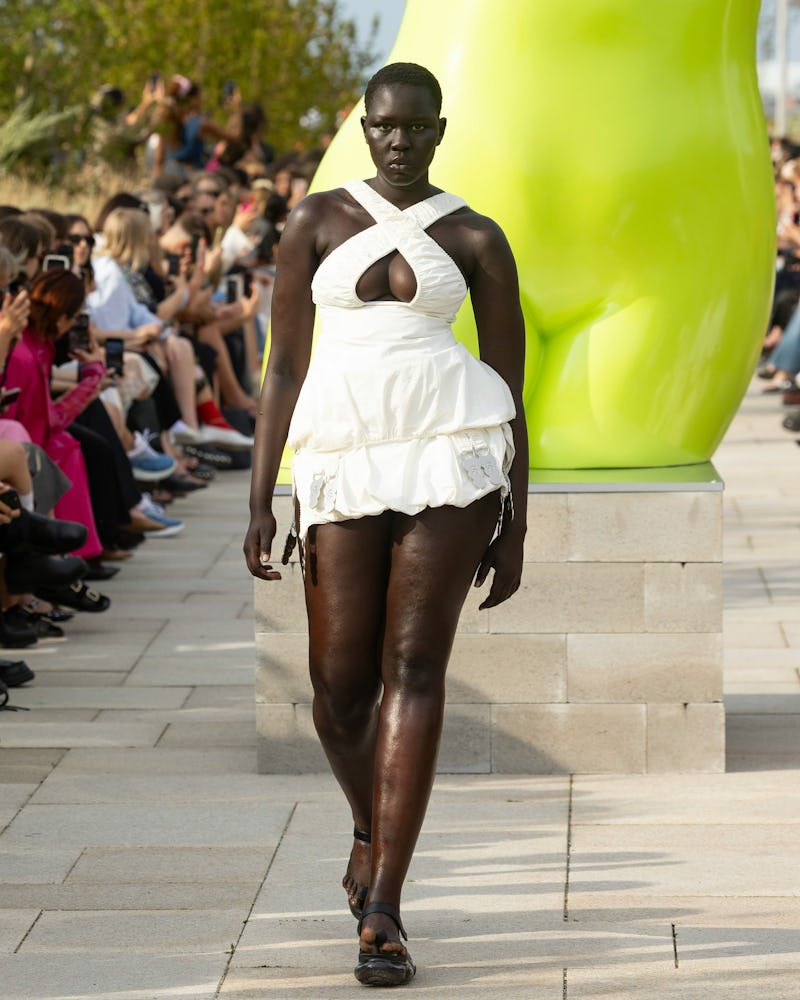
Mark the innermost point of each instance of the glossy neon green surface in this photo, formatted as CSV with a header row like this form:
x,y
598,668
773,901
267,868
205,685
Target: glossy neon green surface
x,y
622,147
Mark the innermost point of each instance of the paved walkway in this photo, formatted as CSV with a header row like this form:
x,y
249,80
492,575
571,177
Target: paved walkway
x,y
141,857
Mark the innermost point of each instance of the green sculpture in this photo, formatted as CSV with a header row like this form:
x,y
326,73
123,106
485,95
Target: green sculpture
x,y
622,147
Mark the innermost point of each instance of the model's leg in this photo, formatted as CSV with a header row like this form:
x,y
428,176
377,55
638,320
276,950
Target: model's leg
x,y
434,559
346,567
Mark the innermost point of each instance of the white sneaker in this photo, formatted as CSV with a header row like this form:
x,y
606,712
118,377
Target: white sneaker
x,y
182,433
225,437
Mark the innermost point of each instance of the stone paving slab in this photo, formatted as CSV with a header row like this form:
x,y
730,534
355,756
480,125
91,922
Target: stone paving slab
x,y
81,734
85,976
35,864
195,669
153,762
245,824
14,925
85,789
142,699
685,859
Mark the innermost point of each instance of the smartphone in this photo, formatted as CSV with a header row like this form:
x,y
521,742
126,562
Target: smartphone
x,y
233,288
247,284
11,499
55,261
228,89
79,334
195,245
153,79
173,265
17,286
8,396
114,356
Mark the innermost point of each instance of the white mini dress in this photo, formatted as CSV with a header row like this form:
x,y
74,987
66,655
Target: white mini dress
x,y
394,413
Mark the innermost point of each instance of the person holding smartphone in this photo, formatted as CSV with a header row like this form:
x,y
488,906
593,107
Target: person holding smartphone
x,y
56,302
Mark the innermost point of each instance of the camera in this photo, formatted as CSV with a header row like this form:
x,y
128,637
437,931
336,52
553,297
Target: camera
x,y
79,334
8,396
233,288
228,89
11,499
56,261
114,355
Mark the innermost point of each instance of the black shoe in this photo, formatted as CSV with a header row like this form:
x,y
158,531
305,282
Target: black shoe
x,y
77,595
384,968
18,617
99,571
13,636
14,673
33,533
55,537
26,574
208,455
128,539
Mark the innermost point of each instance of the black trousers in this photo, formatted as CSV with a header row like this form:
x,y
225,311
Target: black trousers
x,y
111,484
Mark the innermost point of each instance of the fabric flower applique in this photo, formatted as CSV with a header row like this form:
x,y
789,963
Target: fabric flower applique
x,y
322,493
481,467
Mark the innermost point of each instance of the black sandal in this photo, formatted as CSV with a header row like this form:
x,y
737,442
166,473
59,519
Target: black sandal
x,y
77,596
384,968
357,907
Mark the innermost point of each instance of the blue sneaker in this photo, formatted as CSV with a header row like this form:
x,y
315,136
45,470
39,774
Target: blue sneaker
x,y
170,526
149,465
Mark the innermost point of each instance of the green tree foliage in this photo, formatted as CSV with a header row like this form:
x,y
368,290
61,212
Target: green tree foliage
x,y
291,55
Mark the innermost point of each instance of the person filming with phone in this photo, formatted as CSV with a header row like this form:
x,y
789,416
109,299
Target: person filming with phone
x,y
56,304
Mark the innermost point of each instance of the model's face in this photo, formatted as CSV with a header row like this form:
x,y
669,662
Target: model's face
x,y
402,129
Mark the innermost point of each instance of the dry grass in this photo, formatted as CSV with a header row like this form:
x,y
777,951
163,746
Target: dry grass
x,y
83,193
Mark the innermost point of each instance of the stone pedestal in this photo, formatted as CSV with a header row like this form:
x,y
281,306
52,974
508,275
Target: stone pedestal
x,y
609,659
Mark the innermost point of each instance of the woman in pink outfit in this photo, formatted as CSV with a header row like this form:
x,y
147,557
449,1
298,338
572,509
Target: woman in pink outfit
x,y
56,299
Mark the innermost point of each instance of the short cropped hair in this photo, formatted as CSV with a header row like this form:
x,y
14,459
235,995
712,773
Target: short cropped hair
x,y
409,73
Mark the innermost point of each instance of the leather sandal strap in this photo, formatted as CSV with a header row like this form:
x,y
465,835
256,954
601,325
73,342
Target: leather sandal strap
x,y
389,910
361,835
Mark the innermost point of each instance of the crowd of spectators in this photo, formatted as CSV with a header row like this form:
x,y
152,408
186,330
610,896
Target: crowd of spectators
x,y
130,353
780,362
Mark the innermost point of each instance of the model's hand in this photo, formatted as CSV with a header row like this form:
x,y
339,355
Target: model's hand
x,y
258,545
504,556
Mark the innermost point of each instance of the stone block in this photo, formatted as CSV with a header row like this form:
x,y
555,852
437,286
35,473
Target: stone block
x,y
685,738
287,741
280,605
466,746
282,668
507,668
645,527
565,739
683,597
650,667
548,519
574,597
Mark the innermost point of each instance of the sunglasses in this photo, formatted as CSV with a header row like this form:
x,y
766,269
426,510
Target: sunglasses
x,y
77,238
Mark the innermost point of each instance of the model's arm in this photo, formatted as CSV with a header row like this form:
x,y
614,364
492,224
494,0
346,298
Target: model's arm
x,y
292,323
494,289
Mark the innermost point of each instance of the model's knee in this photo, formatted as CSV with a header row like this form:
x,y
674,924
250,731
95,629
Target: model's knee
x,y
344,707
415,671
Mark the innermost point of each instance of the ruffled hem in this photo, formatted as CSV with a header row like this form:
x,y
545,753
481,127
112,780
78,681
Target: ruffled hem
x,y
408,476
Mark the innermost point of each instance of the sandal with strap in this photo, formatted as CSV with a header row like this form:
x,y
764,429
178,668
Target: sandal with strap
x,y
357,906
384,968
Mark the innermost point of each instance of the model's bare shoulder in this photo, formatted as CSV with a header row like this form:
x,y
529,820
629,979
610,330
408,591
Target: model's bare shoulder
x,y
482,239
